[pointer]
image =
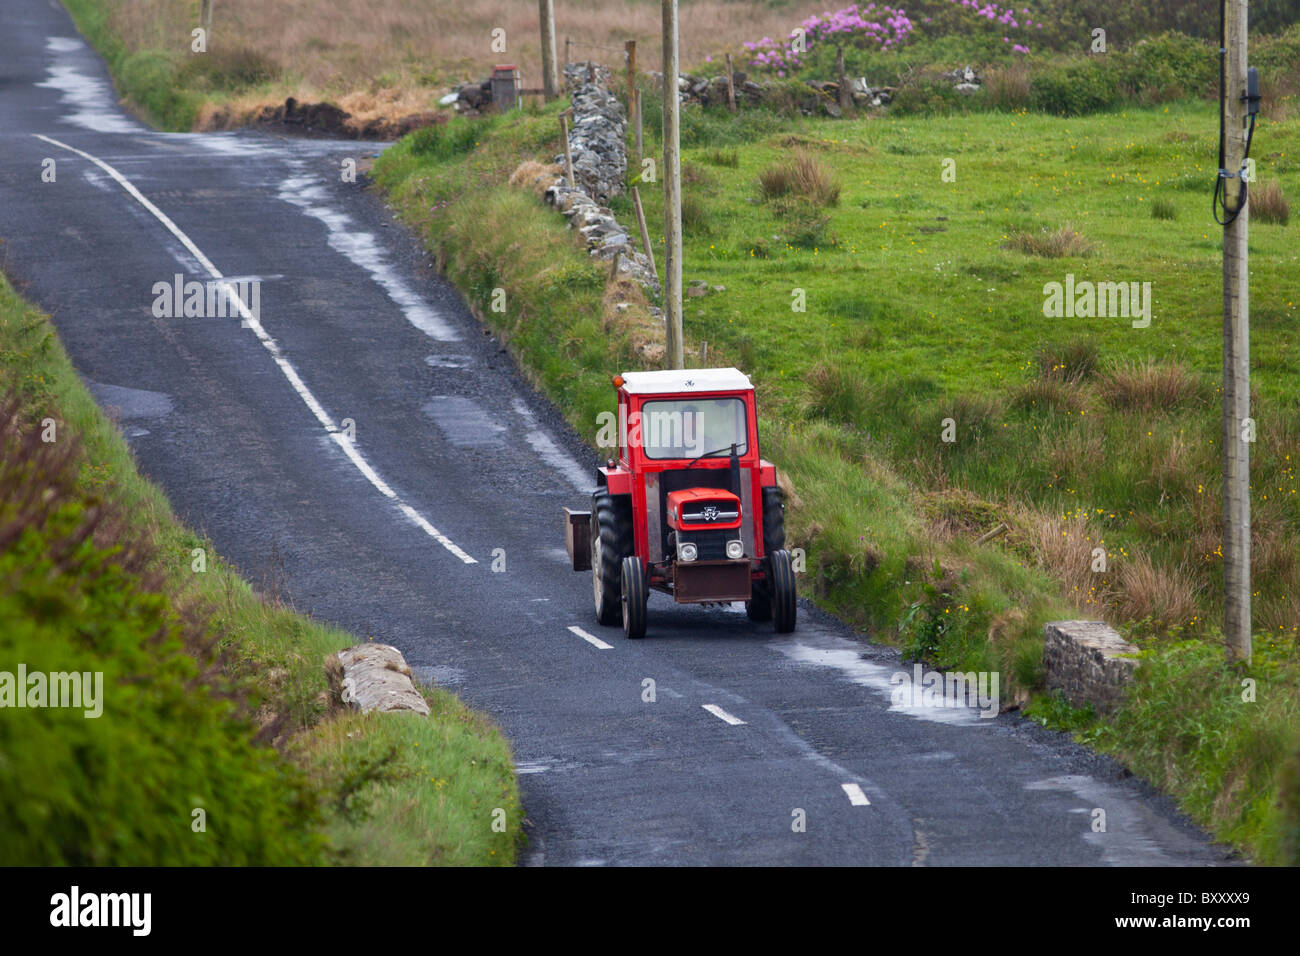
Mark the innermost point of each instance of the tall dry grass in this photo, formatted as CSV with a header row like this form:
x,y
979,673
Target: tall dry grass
x,y
1150,386
1269,204
1051,243
389,57
803,177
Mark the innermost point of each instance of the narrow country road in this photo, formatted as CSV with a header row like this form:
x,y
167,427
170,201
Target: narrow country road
x,y
454,457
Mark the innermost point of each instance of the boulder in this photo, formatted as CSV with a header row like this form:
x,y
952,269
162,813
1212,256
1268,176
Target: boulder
x,y
374,677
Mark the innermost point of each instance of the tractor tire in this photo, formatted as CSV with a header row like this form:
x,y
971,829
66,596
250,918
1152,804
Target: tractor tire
x,y
611,541
784,599
634,598
773,520
759,607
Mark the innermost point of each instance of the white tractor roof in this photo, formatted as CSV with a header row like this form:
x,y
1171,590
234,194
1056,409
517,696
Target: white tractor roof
x,y
686,380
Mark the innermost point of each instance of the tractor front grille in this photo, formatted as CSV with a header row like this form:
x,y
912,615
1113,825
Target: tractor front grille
x,y
712,544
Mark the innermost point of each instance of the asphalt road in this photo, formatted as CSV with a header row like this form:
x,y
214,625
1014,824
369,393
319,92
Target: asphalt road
x,y
454,457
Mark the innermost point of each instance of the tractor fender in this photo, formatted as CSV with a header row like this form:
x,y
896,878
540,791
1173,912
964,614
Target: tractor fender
x,y
619,480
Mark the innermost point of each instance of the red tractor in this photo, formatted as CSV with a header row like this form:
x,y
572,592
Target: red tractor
x,y
688,508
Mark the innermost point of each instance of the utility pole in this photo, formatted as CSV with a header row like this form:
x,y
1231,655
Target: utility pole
x,y
672,174
550,77
629,50
1238,431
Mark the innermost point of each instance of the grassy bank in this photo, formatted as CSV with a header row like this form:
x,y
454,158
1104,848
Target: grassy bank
x,y
215,698
923,302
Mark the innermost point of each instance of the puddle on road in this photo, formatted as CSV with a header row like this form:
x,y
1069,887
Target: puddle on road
x,y
1125,841
551,453
131,403
363,249
447,361
90,101
846,657
463,422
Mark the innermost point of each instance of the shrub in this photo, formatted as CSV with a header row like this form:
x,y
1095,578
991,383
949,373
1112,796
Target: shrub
x,y
1268,204
693,175
1049,394
1051,243
1169,66
803,224
838,394
1074,362
927,97
1076,87
804,177
695,214
1164,209
228,70
1008,88
1150,385
722,157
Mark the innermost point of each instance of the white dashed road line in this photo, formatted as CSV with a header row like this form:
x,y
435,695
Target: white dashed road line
x,y
721,714
591,639
251,321
855,794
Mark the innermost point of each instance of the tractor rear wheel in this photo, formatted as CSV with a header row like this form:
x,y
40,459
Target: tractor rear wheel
x,y
773,519
611,541
634,597
781,582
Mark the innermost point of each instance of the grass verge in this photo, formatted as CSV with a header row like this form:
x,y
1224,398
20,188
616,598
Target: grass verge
x,y
283,775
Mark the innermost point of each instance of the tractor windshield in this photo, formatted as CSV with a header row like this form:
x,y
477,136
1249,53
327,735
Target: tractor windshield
x,y
690,427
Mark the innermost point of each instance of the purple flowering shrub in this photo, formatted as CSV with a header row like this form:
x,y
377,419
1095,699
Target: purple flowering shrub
x,y
874,28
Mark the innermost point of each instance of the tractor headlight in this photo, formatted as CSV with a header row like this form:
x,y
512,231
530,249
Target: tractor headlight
x,y
735,549
687,551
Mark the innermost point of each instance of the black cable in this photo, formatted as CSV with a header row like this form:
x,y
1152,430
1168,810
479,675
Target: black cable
x,y
1219,198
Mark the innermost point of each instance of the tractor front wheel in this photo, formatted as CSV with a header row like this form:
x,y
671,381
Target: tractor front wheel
x,y
634,597
782,589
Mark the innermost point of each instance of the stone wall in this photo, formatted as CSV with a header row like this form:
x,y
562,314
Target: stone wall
x,y
598,148
1089,663
597,132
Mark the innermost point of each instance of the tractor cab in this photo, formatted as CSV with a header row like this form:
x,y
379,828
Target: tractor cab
x,y
688,507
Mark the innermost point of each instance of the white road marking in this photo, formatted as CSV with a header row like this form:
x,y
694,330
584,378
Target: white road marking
x,y
721,714
591,639
251,321
856,796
